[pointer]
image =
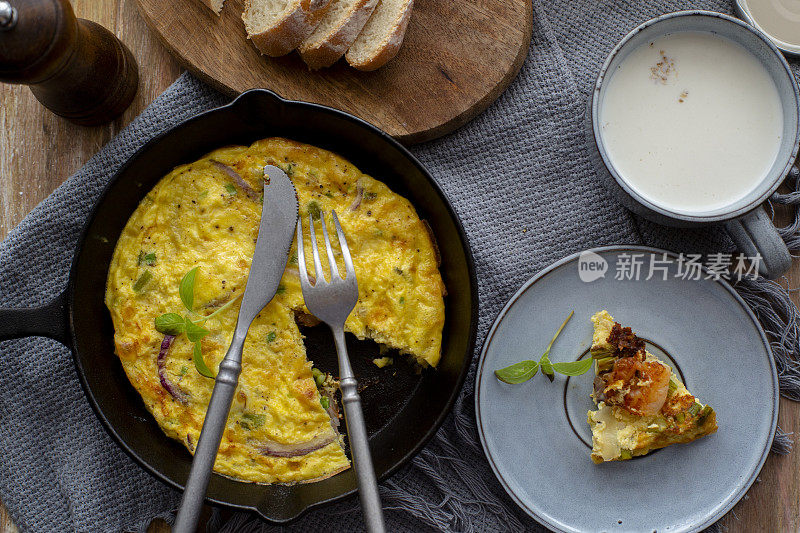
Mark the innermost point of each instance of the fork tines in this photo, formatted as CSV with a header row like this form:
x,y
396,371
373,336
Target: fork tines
x,y
318,270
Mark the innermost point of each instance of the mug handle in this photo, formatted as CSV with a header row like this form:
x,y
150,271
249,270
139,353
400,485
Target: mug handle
x,y
755,234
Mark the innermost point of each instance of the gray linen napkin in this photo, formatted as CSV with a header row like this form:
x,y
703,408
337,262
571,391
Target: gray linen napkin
x,y
525,190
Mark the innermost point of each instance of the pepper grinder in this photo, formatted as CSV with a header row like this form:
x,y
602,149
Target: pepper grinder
x,y
75,68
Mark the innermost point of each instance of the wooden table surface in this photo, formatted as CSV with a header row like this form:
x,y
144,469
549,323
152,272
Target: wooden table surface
x,y
38,151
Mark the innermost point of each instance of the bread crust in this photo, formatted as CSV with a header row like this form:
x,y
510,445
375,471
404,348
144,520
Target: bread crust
x,y
286,34
389,48
210,5
326,52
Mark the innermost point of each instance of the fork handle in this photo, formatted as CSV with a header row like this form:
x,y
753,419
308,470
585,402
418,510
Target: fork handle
x,y
359,442
207,446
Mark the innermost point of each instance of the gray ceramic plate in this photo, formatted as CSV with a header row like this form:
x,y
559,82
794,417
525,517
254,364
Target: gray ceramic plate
x,y
535,434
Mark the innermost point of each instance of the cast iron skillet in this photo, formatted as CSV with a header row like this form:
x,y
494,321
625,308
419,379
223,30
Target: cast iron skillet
x,y
402,409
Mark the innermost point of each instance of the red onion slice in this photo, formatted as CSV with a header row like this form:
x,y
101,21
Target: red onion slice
x,y
276,449
174,391
359,195
237,178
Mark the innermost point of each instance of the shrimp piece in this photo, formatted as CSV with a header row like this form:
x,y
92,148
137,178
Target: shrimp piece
x,y
638,386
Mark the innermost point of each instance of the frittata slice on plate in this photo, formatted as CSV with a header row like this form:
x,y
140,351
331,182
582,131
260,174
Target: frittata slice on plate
x,y
641,403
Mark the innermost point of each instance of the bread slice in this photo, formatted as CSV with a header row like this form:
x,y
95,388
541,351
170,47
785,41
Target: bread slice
x,y
382,35
277,27
339,28
214,5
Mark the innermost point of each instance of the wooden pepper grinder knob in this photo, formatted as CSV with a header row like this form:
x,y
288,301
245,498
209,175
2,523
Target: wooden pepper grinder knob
x,y
76,68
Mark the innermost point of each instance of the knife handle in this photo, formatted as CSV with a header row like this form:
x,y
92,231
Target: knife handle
x,y
210,436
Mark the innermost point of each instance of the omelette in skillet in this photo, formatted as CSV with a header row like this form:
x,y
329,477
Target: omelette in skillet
x,y
185,254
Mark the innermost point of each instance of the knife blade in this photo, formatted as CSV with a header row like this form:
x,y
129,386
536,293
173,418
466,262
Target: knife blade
x,y
275,233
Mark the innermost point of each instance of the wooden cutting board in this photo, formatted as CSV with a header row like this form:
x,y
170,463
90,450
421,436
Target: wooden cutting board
x,y
457,58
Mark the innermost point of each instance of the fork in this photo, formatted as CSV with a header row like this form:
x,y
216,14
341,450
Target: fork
x,y
331,302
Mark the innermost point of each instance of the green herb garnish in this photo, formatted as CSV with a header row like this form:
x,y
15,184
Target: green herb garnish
x,y
271,336
142,281
547,367
281,289
170,324
231,188
324,401
402,300
195,332
199,363
202,195
186,288
518,372
319,377
289,170
525,370
175,324
574,368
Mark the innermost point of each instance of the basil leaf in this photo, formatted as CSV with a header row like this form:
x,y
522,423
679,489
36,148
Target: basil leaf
x,y
170,324
195,332
575,368
518,372
547,367
150,258
199,364
186,289
271,336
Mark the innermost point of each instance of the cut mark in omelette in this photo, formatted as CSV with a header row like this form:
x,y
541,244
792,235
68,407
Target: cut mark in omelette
x,y
641,403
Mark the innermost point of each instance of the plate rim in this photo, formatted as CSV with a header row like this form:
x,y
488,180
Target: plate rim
x,y
732,499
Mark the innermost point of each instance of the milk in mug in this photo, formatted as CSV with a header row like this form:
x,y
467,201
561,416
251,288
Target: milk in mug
x,y
691,121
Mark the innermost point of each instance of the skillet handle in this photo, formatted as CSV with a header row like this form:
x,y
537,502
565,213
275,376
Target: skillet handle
x,y
50,320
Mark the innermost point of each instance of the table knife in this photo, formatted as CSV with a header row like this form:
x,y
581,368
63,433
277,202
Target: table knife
x,y
275,234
